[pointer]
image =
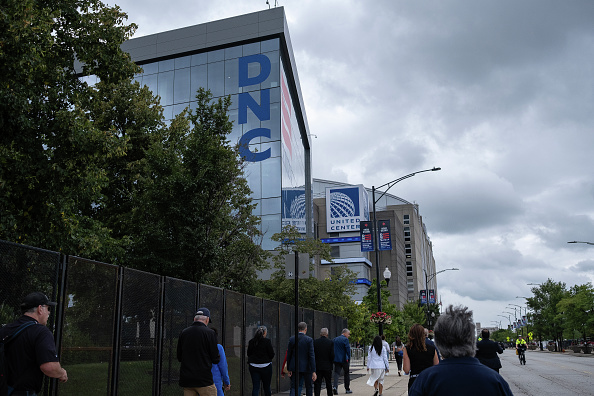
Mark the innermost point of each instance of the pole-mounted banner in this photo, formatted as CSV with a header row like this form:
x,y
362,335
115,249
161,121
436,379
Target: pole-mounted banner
x,y
423,296
366,236
385,241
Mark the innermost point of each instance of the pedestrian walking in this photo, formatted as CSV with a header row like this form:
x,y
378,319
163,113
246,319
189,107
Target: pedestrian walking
x,y
324,351
378,363
429,341
260,354
417,355
29,348
459,373
342,357
307,361
487,350
197,351
398,353
220,371
386,345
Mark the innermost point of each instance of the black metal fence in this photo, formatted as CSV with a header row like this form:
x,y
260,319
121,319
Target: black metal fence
x,y
116,328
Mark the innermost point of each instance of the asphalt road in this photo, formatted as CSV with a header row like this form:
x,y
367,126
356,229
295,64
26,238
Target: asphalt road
x,y
548,373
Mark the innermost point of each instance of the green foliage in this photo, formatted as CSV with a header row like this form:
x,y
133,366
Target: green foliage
x,y
52,154
547,321
192,215
413,313
92,170
502,335
332,294
290,240
577,311
402,320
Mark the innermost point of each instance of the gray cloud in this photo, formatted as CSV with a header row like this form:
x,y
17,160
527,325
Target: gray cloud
x,y
499,94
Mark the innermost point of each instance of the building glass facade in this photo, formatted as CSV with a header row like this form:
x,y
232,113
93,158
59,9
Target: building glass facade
x,y
258,75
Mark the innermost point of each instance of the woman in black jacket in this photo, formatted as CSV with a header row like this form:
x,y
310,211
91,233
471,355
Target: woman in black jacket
x,y
260,354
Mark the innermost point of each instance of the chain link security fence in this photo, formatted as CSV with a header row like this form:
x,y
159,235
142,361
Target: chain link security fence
x,y
116,328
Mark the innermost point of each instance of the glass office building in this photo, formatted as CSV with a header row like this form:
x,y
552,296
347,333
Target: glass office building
x,y
250,58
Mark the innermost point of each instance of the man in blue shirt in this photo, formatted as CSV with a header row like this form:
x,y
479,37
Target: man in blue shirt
x,y
342,358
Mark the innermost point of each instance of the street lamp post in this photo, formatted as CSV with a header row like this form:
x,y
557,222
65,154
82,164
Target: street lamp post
x,y
588,243
376,239
520,307
515,316
427,279
508,318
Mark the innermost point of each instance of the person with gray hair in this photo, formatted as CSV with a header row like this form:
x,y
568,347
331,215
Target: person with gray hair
x,y
260,354
459,373
342,358
324,351
197,351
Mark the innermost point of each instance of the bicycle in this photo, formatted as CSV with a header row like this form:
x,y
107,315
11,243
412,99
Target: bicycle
x,y
522,355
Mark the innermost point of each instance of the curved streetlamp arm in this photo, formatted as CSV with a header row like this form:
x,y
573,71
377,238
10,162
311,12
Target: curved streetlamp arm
x,y
393,182
429,277
589,243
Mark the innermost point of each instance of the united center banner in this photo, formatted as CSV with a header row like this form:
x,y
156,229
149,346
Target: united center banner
x,y
346,207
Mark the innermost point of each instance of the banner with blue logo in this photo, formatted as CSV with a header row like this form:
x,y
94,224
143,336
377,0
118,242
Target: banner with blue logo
x,y
366,232
293,208
385,241
431,296
423,296
345,208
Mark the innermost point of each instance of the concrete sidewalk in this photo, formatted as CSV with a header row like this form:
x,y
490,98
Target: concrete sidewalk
x,y
393,384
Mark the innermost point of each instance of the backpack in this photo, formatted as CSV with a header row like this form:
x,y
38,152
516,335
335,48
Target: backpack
x,y
4,388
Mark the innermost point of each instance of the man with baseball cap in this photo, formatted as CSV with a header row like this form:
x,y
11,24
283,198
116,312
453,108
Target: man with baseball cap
x,y
197,351
31,353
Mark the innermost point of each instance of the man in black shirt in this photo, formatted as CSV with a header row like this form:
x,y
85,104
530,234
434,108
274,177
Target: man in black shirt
x,y
197,351
324,351
32,353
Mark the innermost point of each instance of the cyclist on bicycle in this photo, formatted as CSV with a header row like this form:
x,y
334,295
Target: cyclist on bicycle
x,y
521,348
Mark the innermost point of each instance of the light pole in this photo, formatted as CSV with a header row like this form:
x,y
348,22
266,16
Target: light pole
x,y
427,279
588,243
520,307
508,318
376,239
515,316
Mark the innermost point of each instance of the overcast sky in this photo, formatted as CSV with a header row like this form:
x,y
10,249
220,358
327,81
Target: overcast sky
x,y
499,94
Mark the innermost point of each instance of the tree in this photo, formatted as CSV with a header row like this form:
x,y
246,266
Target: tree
x,y
413,313
547,320
577,309
51,151
331,294
90,168
193,218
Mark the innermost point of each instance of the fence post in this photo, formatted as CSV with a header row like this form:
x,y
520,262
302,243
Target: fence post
x,y
117,336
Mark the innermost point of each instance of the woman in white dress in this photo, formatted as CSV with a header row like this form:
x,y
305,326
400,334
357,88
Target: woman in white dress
x,y
377,362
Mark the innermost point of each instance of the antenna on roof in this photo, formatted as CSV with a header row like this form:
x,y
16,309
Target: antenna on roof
x,y
275,2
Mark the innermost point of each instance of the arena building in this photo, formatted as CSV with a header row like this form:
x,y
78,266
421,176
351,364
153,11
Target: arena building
x,y
250,58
